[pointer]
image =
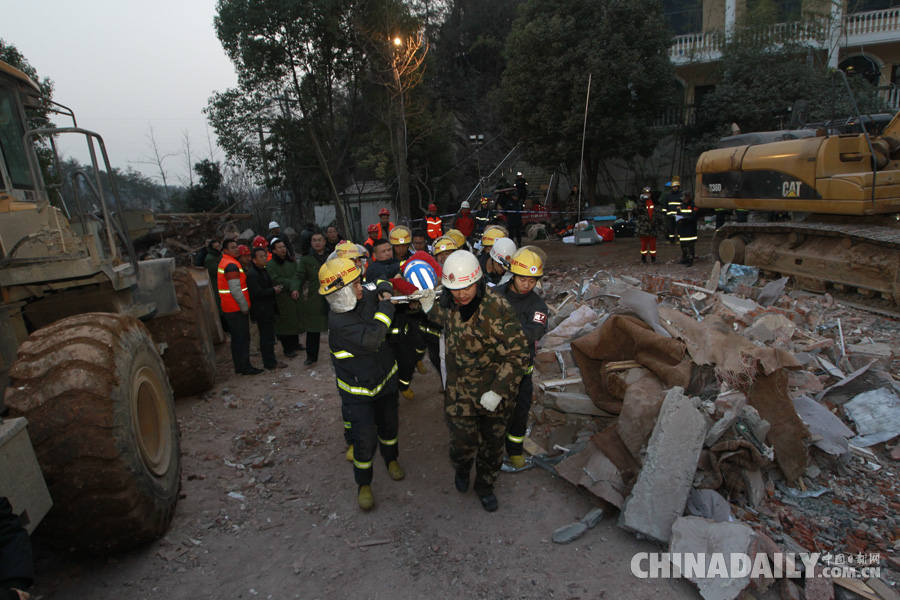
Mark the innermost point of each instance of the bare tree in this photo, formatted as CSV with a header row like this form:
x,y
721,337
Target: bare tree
x,y
156,159
188,158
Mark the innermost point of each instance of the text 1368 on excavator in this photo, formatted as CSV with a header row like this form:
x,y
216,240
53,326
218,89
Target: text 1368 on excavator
x,y
92,342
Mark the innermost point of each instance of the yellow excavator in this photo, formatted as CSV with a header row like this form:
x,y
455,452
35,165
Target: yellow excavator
x,y
843,192
94,345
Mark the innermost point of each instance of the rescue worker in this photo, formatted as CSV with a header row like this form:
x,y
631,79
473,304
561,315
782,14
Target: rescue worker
x,y
365,370
687,229
650,224
405,336
283,269
244,257
496,262
275,232
400,238
491,234
384,224
261,242
443,247
513,209
527,268
721,217
486,358
464,222
419,241
235,299
372,232
673,207
383,266
458,238
353,252
313,308
484,216
433,224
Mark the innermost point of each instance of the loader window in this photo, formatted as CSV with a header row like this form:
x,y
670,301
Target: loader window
x,y
11,148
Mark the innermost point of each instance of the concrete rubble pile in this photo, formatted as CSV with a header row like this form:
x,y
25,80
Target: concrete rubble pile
x,y
179,235
725,416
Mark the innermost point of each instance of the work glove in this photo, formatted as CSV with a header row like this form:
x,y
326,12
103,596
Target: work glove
x,y
426,299
490,400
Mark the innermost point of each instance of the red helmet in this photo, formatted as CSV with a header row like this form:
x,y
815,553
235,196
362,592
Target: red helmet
x,y
432,207
244,250
260,242
373,228
384,211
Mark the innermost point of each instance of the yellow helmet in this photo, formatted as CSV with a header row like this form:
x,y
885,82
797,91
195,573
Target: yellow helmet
x,y
444,244
528,262
458,238
400,235
335,274
676,180
492,233
348,250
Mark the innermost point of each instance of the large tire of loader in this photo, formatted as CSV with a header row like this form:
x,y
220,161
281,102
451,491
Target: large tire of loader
x,y
102,422
191,355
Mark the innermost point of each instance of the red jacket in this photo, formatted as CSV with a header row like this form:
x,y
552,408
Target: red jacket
x,y
465,223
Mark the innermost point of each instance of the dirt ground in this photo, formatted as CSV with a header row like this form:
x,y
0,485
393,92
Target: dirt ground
x,y
268,506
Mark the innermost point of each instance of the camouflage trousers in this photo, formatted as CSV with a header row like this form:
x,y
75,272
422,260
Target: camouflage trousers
x,y
479,439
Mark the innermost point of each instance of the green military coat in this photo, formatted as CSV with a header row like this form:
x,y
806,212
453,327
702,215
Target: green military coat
x,y
487,352
287,321
314,313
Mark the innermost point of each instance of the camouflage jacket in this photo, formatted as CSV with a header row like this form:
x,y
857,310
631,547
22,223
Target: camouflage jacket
x,y
487,352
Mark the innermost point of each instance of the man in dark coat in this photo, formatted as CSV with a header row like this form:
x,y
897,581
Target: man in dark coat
x,y
687,228
314,311
262,305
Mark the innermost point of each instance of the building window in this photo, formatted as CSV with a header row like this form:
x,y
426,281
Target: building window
x,y
855,6
684,16
782,11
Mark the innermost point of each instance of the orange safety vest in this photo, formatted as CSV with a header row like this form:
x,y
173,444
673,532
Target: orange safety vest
x,y
434,227
229,304
381,232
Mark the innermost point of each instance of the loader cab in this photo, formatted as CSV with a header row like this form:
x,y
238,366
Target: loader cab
x,y
18,178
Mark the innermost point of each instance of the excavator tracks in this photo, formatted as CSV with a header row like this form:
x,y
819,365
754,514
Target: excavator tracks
x,y
858,264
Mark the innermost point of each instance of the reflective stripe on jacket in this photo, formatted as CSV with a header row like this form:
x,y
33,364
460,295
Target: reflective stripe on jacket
x,y
229,304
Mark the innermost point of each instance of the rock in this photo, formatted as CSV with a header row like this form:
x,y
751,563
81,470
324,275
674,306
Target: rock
x,y
790,591
695,535
819,587
722,425
755,487
738,306
569,402
569,533
661,491
729,400
895,453
758,426
591,519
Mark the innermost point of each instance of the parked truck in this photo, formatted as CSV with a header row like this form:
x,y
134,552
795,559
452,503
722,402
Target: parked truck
x,y
94,345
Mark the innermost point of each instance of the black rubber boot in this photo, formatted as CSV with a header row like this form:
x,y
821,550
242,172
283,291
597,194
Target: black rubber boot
x,y
462,482
489,502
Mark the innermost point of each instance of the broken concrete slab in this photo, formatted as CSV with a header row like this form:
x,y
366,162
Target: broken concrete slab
x,y
772,291
824,423
592,470
709,504
755,487
569,533
877,417
698,536
724,424
738,306
661,491
570,402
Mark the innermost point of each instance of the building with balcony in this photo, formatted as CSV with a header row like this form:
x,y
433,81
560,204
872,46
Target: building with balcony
x,y
862,34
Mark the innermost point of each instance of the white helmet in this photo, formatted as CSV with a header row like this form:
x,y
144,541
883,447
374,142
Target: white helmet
x,y
465,204
502,251
461,270
273,224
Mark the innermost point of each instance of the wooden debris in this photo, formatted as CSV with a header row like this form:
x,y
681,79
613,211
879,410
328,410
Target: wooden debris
x,y
369,543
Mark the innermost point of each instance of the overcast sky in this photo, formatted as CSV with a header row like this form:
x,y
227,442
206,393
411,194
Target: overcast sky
x,y
124,65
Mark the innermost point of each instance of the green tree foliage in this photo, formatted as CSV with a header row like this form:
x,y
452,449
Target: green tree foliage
x,y
204,196
764,71
553,46
11,55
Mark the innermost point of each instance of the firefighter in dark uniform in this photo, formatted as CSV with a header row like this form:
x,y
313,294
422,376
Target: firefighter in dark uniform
x,y
496,262
527,268
364,367
486,359
673,206
687,228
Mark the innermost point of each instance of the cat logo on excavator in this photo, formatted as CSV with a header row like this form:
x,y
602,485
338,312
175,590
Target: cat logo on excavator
x,y
791,189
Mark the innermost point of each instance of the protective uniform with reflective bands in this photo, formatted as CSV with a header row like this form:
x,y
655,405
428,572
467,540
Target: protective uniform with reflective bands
x,y
532,312
229,304
366,373
687,228
433,224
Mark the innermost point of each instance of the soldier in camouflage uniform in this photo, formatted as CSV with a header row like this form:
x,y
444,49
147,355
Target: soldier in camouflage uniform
x,y
487,355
